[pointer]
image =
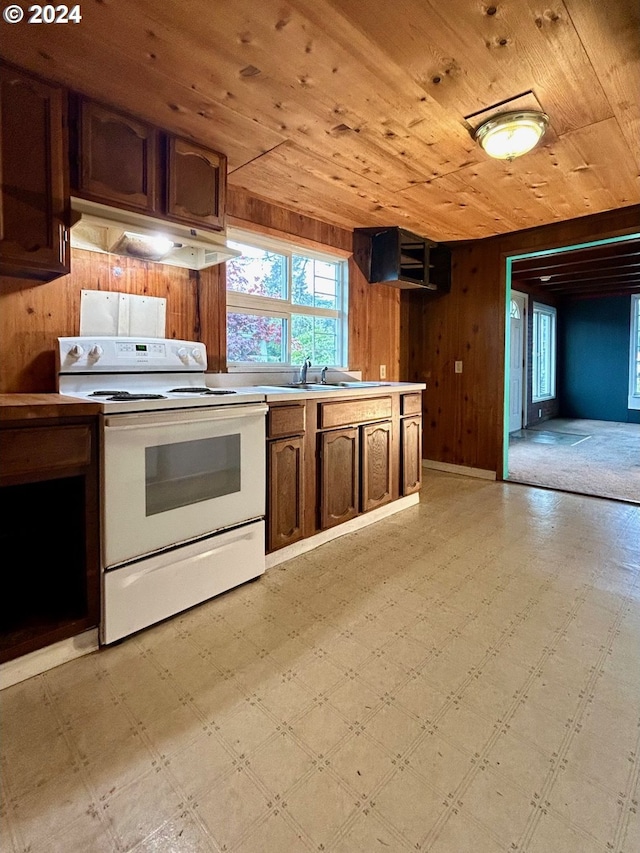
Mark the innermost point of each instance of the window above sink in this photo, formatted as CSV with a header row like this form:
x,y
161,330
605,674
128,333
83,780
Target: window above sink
x,y
285,303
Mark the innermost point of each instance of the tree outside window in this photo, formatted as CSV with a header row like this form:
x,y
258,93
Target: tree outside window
x,y
285,305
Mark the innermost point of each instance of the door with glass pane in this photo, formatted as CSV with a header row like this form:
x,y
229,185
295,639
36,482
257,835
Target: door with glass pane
x,y
516,360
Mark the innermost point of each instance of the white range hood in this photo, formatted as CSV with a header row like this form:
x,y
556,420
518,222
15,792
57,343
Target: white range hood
x,y
98,228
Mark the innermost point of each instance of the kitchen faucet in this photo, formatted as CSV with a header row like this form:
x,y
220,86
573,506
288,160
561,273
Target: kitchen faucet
x,y
306,364
323,375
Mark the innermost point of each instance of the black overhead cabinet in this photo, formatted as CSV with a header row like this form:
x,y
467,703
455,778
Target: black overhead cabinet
x,y
397,257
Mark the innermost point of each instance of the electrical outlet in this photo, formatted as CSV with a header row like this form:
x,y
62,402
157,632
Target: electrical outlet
x,y
539,413
383,371
458,367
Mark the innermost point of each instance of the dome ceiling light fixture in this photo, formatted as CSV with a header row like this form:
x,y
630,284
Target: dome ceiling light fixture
x,y
511,134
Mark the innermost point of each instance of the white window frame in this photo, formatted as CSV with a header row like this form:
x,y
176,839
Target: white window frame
x,y
285,308
550,311
634,352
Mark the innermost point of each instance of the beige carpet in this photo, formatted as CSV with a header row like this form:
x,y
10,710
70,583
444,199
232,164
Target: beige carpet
x,y
590,457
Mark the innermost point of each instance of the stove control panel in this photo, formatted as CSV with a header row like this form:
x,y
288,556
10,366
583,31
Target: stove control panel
x,y
144,355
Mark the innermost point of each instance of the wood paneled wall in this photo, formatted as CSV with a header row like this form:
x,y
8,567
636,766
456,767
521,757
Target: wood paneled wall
x,y
34,315
374,309
374,327
416,336
463,412
248,211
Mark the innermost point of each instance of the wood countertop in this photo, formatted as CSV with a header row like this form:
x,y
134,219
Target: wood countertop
x,y
20,407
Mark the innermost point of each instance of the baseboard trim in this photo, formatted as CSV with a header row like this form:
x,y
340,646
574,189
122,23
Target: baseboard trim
x,y
297,548
15,671
482,473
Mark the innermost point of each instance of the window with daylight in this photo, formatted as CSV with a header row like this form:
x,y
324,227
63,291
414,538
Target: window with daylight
x,y
285,304
544,352
634,354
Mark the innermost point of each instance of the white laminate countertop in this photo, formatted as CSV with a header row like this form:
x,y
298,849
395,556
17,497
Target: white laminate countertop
x,y
274,384
275,394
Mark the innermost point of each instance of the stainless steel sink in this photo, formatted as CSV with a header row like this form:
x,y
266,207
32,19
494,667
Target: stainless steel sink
x,y
307,386
362,384
301,386
329,386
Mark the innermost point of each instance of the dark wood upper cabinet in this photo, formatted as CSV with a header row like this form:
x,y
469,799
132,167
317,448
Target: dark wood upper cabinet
x,y
120,161
115,158
196,183
397,257
34,170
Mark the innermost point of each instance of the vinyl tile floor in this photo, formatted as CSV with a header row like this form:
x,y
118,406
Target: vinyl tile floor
x,y
463,676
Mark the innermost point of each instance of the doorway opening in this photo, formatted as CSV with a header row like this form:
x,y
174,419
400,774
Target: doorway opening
x,y
568,318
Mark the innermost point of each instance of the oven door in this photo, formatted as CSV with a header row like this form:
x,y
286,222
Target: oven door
x,y
173,476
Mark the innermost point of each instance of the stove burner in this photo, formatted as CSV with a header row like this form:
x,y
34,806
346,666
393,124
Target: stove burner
x,y
200,391
106,393
125,395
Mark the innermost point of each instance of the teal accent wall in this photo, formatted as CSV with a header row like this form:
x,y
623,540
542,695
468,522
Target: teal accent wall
x,y
593,375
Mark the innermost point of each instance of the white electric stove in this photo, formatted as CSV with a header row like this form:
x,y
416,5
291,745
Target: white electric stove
x,y
141,374
182,476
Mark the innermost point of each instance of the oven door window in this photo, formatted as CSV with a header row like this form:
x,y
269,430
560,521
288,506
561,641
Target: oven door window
x,y
188,472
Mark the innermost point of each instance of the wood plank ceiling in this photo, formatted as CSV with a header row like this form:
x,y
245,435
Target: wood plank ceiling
x,y
611,269
354,112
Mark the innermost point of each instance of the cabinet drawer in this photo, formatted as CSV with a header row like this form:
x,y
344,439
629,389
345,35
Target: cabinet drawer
x,y
36,451
285,420
412,404
338,413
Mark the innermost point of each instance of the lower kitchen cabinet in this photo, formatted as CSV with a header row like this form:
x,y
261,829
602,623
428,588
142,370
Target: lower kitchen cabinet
x,y
285,486
377,465
411,449
48,534
285,475
331,460
339,472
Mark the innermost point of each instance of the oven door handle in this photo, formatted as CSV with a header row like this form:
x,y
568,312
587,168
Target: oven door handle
x,y
185,416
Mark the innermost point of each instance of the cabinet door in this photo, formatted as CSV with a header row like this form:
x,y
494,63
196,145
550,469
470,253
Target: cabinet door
x,y
376,465
339,466
411,455
285,502
196,184
34,170
118,162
